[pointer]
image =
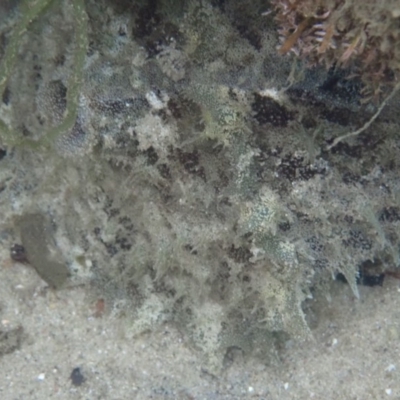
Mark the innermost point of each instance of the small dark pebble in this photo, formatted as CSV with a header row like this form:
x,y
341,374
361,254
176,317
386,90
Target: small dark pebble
x,y
3,153
18,253
76,377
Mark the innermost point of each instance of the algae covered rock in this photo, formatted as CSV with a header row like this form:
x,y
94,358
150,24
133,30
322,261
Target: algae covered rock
x,y
187,168
37,240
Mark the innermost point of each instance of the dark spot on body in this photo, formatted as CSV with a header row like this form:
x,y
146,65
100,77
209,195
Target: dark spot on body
x,y
123,243
254,38
268,111
239,254
390,214
127,223
190,161
284,226
357,240
340,116
164,171
152,156
116,106
350,178
345,148
315,244
111,249
295,168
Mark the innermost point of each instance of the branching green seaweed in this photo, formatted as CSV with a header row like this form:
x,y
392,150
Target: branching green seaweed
x,y
31,10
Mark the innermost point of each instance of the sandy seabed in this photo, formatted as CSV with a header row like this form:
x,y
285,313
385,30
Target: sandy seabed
x,y
46,335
